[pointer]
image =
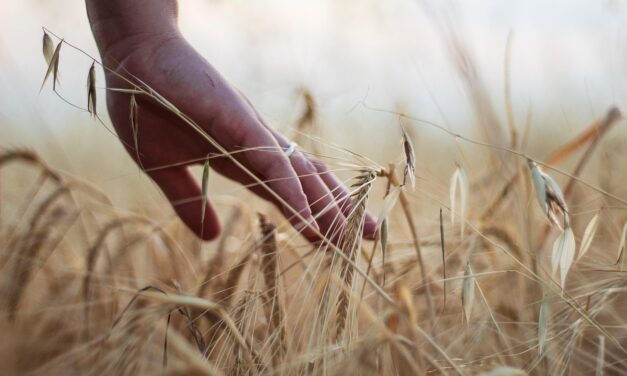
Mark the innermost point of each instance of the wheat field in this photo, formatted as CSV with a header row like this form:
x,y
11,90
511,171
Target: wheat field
x,y
490,258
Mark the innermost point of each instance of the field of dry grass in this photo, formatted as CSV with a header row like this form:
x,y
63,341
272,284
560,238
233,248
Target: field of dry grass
x,y
473,270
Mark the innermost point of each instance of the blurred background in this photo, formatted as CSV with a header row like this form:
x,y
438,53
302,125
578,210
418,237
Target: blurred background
x,y
567,67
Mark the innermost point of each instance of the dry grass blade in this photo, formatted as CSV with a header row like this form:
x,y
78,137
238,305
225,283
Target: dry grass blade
x,y
405,297
453,194
410,161
134,117
48,48
563,254
588,235
513,133
543,324
468,292
590,135
505,371
383,238
205,185
209,306
600,357
91,90
405,205
443,256
621,247
53,67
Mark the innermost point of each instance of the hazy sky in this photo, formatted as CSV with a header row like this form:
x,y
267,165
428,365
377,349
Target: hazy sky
x,y
568,57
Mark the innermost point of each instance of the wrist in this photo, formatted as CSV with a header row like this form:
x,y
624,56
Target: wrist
x,y
120,26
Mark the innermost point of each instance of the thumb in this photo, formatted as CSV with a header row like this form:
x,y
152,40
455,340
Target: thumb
x,y
185,195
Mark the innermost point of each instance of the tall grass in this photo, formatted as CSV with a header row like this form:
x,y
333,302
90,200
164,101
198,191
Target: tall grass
x,y
463,287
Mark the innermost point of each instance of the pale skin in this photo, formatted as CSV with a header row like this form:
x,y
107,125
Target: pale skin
x,y
141,38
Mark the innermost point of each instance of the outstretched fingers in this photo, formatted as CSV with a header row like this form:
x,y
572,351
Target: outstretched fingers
x,y
327,191
275,170
324,206
228,169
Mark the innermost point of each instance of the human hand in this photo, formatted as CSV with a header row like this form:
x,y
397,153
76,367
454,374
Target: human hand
x,y
166,145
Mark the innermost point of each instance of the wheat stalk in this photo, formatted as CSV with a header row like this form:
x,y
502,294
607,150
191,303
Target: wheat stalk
x,y
269,268
351,242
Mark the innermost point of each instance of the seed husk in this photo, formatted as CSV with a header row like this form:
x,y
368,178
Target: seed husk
x,y
53,67
410,161
48,48
91,90
459,179
563,254
468,292
588,235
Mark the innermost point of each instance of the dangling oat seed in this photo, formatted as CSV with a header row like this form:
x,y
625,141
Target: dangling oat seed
x,y
91,90
48,48
410,161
